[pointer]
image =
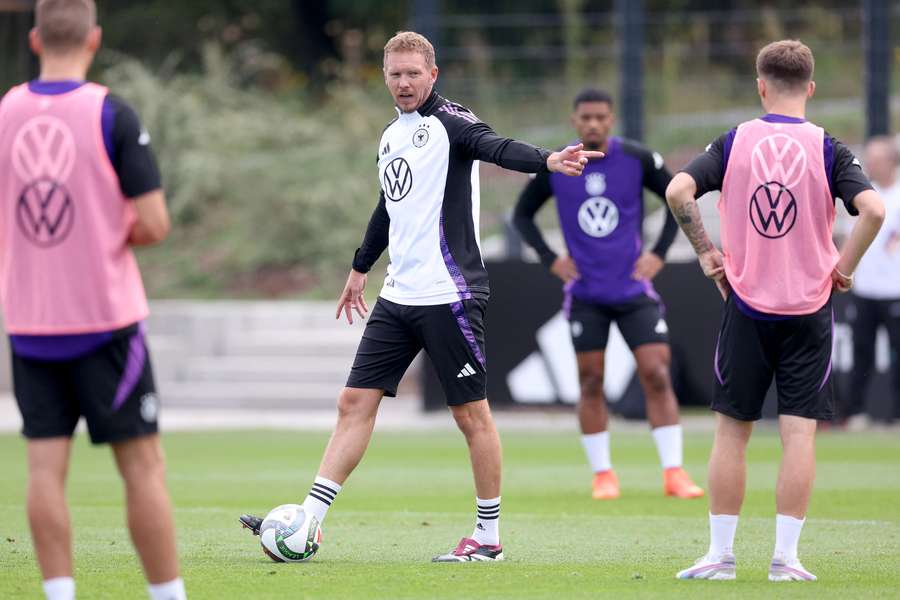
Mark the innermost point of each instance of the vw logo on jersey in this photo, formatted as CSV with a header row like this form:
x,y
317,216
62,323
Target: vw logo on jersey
x,y
773,210
778,157
598,217
595,184
397,180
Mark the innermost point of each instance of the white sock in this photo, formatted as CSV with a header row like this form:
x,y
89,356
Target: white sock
x,y
721,534
321,495
596,446
487,523
787,536
171,590
668,445
59,588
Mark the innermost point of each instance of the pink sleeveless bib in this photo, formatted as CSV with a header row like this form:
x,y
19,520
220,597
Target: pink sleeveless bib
x,y
777,214
65,264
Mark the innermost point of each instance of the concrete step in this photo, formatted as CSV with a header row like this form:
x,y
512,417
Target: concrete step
x,y
298,370
292,342
252,395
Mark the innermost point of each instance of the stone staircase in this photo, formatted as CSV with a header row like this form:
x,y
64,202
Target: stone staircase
x,y
250,354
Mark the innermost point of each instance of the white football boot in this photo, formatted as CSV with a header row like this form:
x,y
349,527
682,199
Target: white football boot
x,y
711,567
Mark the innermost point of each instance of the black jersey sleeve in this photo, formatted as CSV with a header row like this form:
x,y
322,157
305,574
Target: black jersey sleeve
x,y
530,202
655,177
708,168
847,177
133,158
375,240
477,140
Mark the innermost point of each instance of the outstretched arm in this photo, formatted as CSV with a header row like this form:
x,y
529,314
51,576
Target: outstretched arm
x,y
476,139
680,197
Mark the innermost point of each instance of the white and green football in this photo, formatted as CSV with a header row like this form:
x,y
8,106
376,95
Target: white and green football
x,y
290,534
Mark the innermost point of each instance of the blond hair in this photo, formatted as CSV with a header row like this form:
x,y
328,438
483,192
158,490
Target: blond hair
x,y
410,41
64,24
788,64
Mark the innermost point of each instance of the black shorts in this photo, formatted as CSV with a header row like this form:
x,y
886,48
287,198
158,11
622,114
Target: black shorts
x,y
112,387
640,321
796,351
451,334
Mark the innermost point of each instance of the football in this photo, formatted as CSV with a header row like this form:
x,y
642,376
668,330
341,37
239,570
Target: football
x,y
290,534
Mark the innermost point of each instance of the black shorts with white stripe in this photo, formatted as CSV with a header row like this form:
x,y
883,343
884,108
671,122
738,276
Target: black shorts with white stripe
x,y
451,334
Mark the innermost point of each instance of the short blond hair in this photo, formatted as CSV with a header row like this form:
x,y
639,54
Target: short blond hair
x,y
787,63
410,41
64,24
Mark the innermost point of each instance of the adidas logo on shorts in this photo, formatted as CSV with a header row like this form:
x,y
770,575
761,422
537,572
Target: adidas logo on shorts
x,y
466,371
661,327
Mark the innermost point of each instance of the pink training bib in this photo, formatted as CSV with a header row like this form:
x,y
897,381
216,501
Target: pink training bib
x,y
777,214
65,263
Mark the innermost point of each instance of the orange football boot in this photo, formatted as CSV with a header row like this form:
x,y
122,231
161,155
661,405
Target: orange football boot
x,y
606,485
676,482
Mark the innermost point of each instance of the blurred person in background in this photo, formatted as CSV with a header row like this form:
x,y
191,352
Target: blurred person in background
x,y
79,186
780,177
436,291
876,285
607,278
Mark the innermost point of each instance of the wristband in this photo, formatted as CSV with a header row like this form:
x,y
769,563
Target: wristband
x,y
850,277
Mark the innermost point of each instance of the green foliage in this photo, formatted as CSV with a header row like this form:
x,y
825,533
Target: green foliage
x,y
411,498
254,182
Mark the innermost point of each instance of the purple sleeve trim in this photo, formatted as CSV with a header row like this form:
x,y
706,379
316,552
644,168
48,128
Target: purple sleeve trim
x,y
107,124
726,150
828,152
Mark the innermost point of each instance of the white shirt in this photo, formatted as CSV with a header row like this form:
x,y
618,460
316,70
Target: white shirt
x,y
878,275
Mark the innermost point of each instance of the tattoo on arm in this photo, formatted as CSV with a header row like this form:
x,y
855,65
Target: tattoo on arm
x,y
688,217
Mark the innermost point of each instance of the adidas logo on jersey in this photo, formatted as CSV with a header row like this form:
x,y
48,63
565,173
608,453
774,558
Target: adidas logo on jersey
x,y
466,371
386,149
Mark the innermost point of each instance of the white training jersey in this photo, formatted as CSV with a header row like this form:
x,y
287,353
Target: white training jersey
x,y
430,202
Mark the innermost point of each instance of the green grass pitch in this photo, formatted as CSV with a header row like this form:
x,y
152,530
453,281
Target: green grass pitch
x,y
412,498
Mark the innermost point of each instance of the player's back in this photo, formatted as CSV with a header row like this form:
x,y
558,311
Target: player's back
x,y
777,213
64,224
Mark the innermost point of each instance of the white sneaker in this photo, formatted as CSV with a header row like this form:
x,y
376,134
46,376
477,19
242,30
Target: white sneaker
x,y
709,567
788,570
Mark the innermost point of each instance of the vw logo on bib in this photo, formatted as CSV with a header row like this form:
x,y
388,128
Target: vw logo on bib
x,y
598,217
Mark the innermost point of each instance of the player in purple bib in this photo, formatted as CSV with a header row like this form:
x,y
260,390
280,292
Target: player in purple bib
x,y
607,278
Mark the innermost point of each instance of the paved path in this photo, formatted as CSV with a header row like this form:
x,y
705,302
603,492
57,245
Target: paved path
x,y
395,415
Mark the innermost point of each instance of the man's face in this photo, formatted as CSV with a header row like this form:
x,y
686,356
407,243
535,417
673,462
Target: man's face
x,y
879,162
593,121
409,79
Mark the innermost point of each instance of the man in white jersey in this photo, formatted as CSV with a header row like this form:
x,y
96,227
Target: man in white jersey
x,y
780,176
436,291
876,286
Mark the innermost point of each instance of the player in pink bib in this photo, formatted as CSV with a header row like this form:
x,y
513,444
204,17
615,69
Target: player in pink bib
x,y
79,186
779,177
